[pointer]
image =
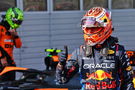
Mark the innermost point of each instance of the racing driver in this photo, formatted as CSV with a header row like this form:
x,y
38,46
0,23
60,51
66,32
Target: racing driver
x,y
102,62
8,39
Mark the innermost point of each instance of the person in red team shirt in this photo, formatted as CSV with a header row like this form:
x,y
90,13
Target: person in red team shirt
x,y
101,61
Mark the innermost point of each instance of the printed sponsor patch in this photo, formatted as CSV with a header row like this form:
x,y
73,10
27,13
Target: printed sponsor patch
x,y
101,86
8,40
128,68
102,65
111,52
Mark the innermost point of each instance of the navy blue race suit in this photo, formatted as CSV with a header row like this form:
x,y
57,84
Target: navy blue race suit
x,y
106,68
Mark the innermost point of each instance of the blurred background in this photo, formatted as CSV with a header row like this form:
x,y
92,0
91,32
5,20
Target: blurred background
x,y
55,23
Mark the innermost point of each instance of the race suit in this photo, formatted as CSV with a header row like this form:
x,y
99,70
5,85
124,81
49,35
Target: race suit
x,y
7,43
100,71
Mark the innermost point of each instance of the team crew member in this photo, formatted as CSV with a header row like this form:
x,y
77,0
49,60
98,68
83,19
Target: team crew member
x,y
101,61
8,39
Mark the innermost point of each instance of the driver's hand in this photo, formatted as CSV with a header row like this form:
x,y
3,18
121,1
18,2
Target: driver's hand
x,y
63,58
13,32
4,62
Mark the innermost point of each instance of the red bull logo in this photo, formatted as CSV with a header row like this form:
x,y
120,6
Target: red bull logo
x,y
101,85
99,75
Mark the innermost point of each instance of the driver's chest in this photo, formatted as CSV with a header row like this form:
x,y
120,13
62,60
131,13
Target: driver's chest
x,y
98,62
